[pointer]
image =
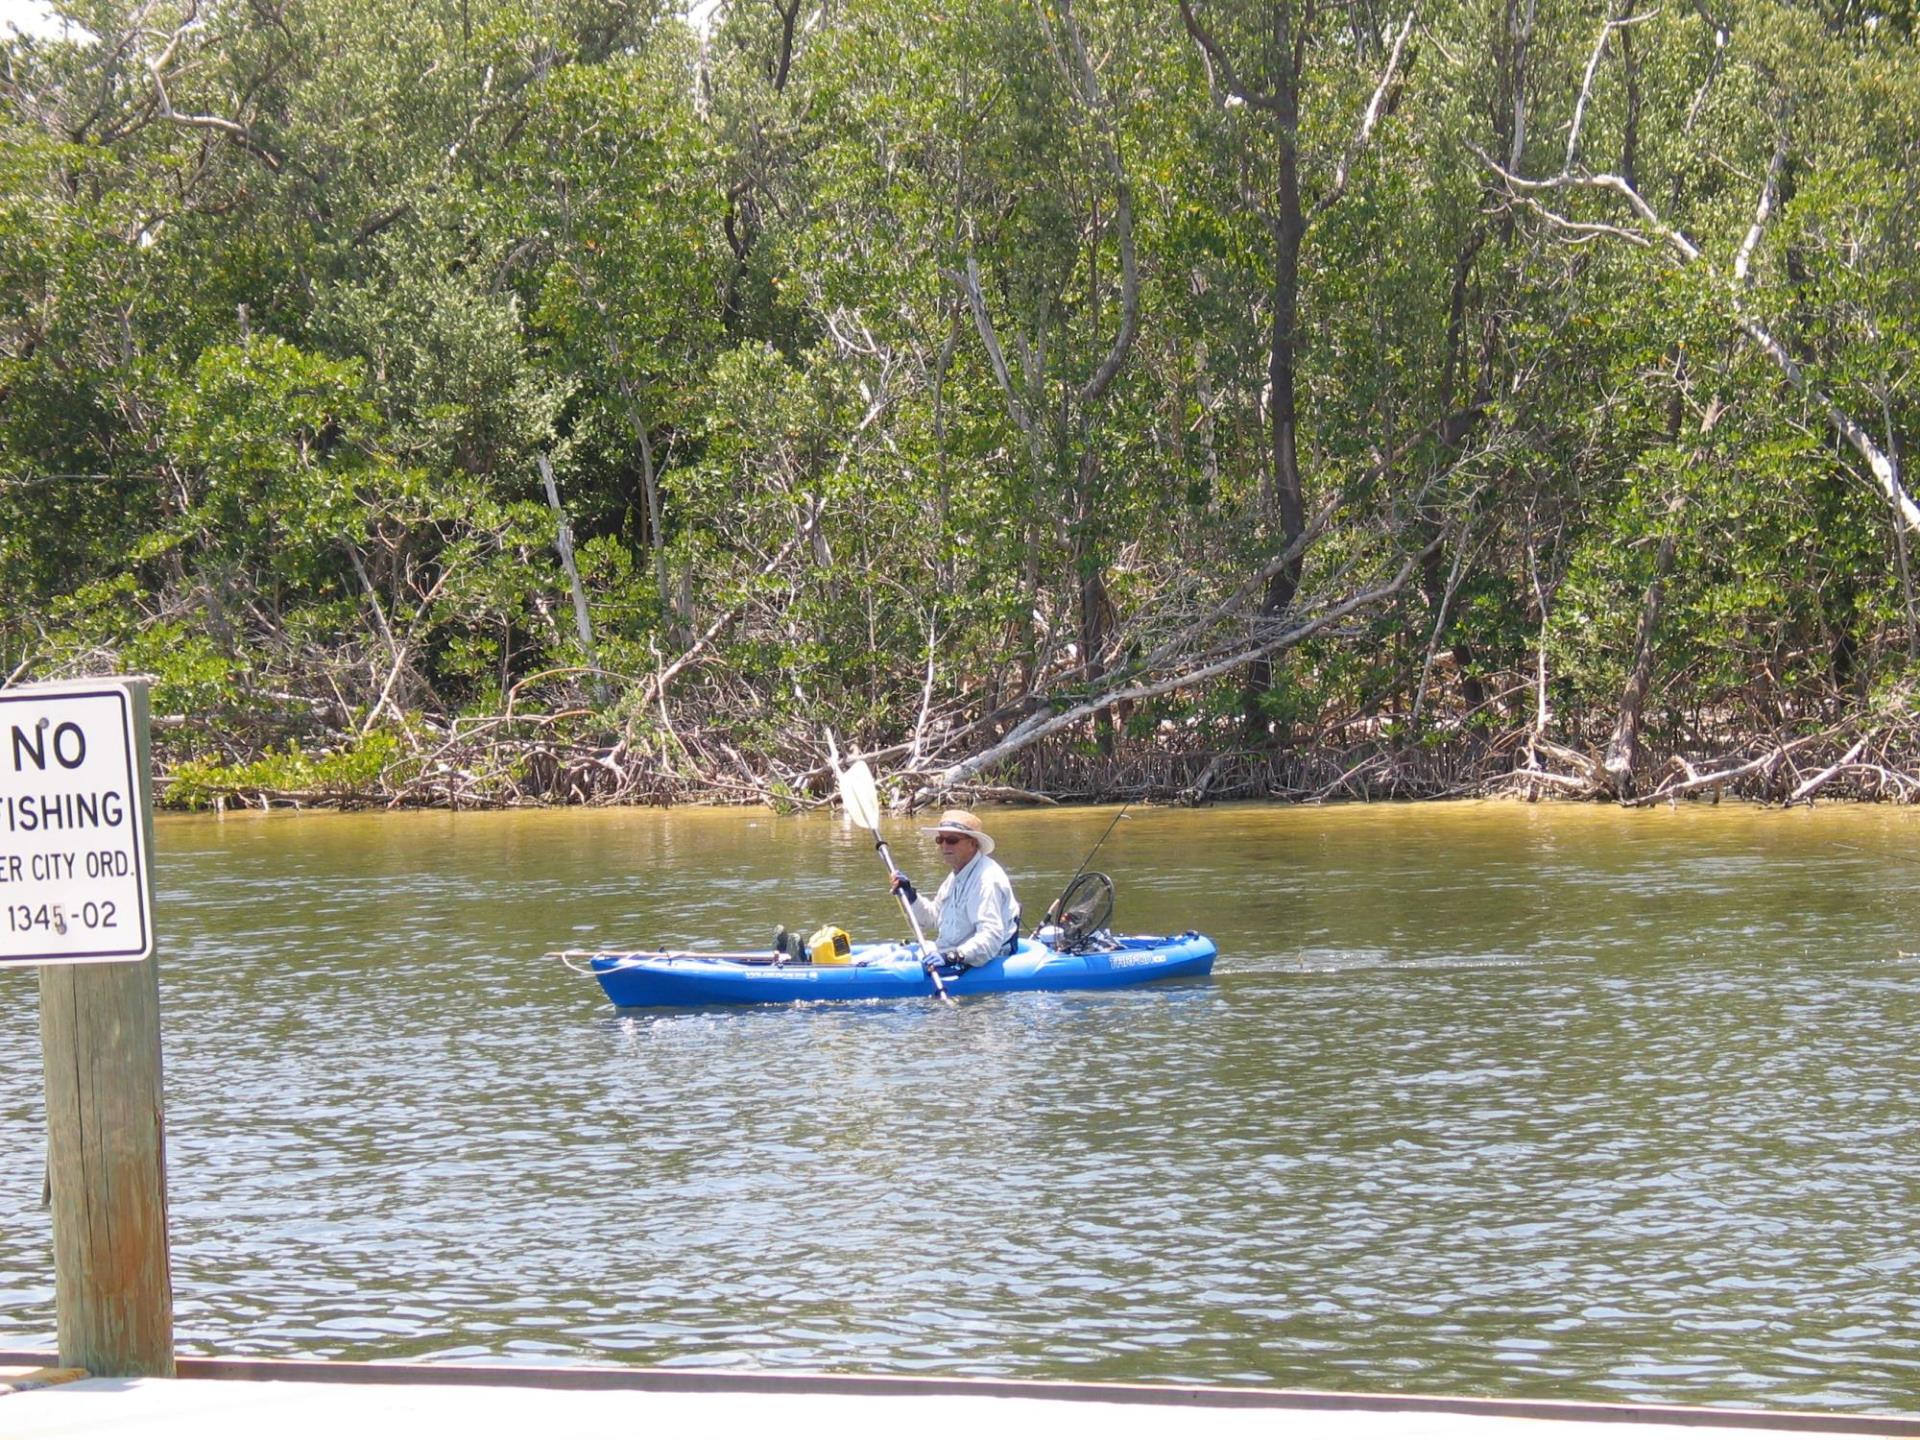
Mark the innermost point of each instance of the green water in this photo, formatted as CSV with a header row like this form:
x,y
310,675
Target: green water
x,y
1490,1099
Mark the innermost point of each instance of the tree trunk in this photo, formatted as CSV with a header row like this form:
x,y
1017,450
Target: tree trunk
x,y
1623,746
1096,609
1456,428
1289,228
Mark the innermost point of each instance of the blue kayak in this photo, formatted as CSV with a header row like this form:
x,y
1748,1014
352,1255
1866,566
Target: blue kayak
x,y
891,972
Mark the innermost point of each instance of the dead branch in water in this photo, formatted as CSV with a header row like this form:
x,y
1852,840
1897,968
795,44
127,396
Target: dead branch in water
x,y
1691,779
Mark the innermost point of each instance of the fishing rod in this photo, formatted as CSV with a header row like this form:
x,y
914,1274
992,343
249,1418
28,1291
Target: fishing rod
x,y
1876,854
1053,910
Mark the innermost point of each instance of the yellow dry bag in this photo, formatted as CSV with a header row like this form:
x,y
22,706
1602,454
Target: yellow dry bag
x,y
830,945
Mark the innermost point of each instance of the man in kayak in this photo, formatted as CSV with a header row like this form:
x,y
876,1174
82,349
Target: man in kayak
x,y
977,916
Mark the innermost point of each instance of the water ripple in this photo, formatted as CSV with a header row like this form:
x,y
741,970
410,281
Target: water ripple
x,y
1511,1111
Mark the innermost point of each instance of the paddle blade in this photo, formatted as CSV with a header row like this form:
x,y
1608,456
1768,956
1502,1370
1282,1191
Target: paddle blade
x,y
860,796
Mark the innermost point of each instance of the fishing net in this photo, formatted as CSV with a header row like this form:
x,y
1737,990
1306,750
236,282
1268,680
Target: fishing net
x,y
1083,910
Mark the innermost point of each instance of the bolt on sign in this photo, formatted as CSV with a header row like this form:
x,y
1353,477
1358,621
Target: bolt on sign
x,y
73,858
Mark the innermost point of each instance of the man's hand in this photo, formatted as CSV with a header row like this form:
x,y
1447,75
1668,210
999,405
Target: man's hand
x,y
904,886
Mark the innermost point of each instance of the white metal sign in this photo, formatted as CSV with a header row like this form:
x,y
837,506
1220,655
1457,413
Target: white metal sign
x,y
73,859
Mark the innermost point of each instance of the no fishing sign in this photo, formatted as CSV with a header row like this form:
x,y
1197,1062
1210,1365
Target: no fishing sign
x,y
73,826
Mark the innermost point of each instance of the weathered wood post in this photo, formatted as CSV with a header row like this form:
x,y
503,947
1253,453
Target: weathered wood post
x,y
76,893
106,1158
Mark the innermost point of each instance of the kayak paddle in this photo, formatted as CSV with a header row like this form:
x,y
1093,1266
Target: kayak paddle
x,y
862,800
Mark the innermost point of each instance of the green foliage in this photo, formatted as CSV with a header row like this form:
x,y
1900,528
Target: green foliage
x,y
352,772
276,383
112,618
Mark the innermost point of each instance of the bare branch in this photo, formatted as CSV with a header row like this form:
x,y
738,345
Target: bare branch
x,y
1882,465
1522,38
926,692
1885,473
657,683
1217,61
157,67
1721,35
1461,552
1684,247
1769,192
1809,786
1694,780
1371,118
1586,84
1582,230
1123,216
1044,722
969,283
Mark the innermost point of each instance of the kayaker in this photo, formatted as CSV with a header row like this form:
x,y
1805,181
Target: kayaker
x,y
975,912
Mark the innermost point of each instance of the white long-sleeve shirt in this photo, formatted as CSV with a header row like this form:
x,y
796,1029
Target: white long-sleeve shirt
x,y
974,910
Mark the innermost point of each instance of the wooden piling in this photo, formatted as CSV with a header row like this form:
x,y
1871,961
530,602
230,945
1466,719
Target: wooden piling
x,y
106,1146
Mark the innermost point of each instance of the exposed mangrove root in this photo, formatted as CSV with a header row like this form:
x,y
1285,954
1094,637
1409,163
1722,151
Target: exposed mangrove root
x,y
714,749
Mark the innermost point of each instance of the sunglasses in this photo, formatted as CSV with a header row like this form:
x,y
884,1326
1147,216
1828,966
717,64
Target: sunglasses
x,y
948,839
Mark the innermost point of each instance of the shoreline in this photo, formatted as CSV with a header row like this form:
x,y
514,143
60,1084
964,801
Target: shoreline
x,y
1835,765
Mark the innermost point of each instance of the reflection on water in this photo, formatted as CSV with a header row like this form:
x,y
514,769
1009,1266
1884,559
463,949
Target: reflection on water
x,y
1487,1099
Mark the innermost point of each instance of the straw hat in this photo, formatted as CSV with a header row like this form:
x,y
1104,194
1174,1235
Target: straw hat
x,y
964,822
